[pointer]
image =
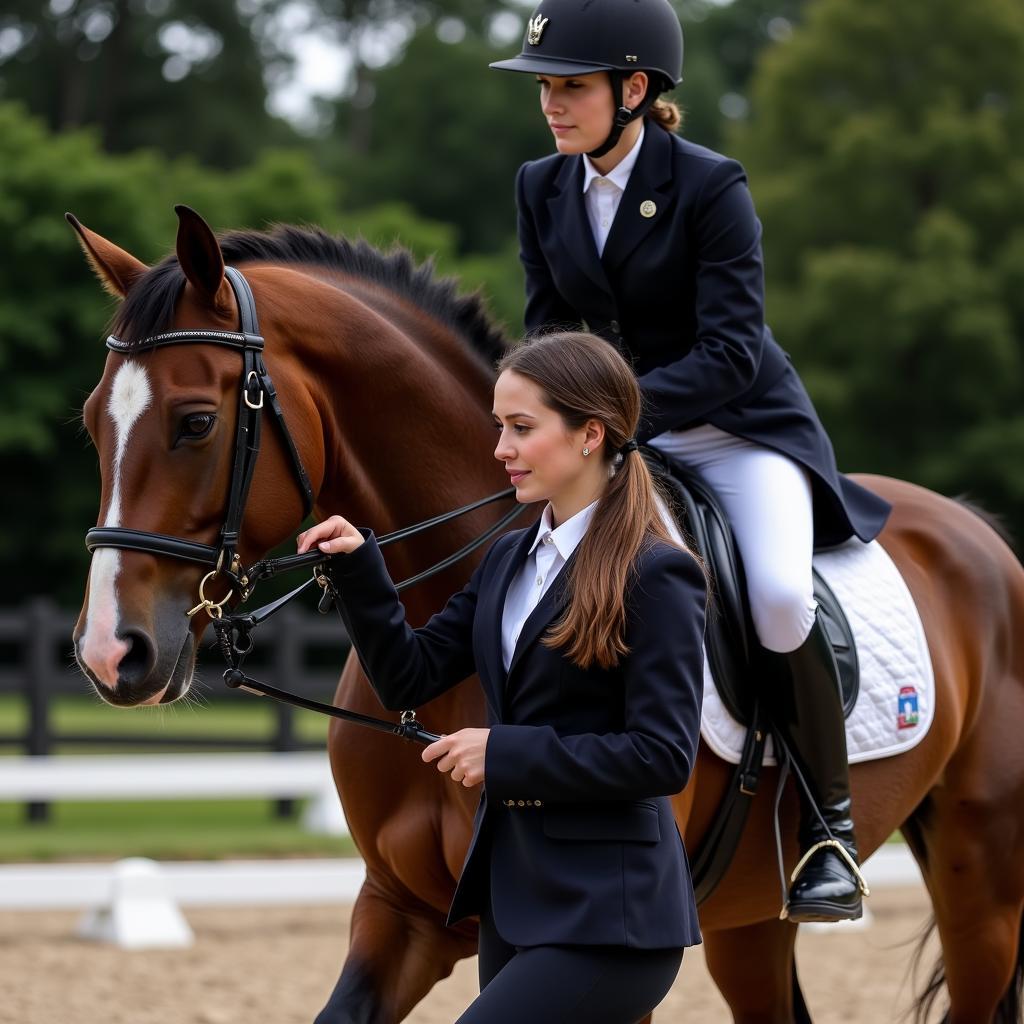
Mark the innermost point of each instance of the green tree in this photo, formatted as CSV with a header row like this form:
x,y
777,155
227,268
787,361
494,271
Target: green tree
x,y
448,135
182,76
887,161
723,43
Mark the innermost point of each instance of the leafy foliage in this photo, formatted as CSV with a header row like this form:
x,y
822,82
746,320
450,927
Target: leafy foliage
x,y
144,73
887,160
447,136
723,43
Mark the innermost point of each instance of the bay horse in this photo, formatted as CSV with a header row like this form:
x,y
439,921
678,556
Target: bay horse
x,y
384,376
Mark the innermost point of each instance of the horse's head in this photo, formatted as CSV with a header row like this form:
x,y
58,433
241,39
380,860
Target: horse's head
x,y
165,422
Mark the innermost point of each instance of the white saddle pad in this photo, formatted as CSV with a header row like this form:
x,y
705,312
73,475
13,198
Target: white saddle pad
x,y
895,705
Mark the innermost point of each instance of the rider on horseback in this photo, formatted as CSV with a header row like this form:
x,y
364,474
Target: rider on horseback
x,y
653,243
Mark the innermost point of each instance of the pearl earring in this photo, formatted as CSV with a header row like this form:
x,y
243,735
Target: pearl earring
x,y
586,451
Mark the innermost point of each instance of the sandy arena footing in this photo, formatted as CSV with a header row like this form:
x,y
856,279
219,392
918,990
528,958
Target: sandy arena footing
x,y
276,965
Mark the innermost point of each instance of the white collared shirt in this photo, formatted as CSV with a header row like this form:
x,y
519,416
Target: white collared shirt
x,y
602,193
549,552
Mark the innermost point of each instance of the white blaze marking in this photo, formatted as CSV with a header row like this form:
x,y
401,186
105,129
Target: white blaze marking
x,y
101,650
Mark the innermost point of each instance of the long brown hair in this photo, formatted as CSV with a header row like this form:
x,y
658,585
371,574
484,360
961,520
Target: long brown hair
x,y
582,377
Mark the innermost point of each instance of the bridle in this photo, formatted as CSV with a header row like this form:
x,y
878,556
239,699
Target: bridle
x,y
256,392
234,629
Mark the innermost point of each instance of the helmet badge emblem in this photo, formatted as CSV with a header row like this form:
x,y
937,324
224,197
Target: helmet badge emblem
x,y
536,26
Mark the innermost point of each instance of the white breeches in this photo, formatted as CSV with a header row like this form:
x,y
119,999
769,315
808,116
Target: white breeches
x,y
767,498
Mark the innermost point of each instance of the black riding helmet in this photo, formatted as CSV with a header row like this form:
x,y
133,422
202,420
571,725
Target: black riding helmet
x,y
581,37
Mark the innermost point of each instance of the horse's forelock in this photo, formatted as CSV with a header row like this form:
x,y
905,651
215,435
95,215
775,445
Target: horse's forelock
x,y
148,308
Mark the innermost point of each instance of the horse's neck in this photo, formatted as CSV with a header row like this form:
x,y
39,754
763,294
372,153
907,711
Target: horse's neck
x,y
408,434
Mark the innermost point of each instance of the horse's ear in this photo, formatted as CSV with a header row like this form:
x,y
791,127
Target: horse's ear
x,y
117,270
199,254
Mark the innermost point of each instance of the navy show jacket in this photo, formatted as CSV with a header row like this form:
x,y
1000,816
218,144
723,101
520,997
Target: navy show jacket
x,y
574,840
679,289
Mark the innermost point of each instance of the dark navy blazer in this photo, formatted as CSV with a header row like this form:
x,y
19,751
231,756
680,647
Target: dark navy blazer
x,y
574,839
681,293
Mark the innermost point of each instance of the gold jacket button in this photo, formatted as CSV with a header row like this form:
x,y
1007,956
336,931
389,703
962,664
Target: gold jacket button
x,y
509,803
522,803
537,803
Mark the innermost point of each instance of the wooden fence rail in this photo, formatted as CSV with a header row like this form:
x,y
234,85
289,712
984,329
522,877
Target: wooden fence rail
x,y
294,649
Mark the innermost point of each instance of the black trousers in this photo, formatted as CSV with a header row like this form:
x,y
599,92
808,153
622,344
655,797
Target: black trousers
x,y
568,984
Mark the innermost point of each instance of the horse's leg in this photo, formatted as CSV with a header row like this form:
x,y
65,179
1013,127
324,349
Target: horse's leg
x,y
968,836
399,950
972,867
755,970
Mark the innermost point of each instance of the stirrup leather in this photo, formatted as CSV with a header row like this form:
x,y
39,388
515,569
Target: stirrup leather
x,y
843,852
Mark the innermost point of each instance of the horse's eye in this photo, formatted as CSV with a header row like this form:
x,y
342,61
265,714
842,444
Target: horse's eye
x,y
197,425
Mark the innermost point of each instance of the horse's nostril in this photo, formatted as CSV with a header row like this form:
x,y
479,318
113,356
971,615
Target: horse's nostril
x,y
138,660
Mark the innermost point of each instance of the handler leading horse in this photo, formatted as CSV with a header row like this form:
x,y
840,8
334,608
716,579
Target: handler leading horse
x,y
384,377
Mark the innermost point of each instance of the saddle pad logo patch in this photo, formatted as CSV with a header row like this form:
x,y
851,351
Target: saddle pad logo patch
x,y
907,714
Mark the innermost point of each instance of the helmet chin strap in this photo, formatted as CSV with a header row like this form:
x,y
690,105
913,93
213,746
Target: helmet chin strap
x,y
623,115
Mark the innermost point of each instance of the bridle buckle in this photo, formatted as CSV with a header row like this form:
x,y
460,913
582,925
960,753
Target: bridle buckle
x,y
252,376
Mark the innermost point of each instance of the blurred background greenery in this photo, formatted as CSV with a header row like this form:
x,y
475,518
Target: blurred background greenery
x,y
885,146
884,142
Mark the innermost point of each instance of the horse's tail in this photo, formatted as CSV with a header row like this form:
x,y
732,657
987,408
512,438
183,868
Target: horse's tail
x,y
922,1007
1009,1009
1007,1012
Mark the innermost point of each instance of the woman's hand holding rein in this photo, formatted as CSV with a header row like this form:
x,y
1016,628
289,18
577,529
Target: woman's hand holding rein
x,y
334,536
462,753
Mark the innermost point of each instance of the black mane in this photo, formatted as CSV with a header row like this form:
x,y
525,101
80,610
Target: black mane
x,y
149,307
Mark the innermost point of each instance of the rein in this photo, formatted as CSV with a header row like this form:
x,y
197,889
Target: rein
x,y
234,629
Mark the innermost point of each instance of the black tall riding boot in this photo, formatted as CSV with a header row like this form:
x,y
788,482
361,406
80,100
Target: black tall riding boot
x,y
807,708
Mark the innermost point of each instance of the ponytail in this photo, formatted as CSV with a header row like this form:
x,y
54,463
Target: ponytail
x,y
592,629
666,114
